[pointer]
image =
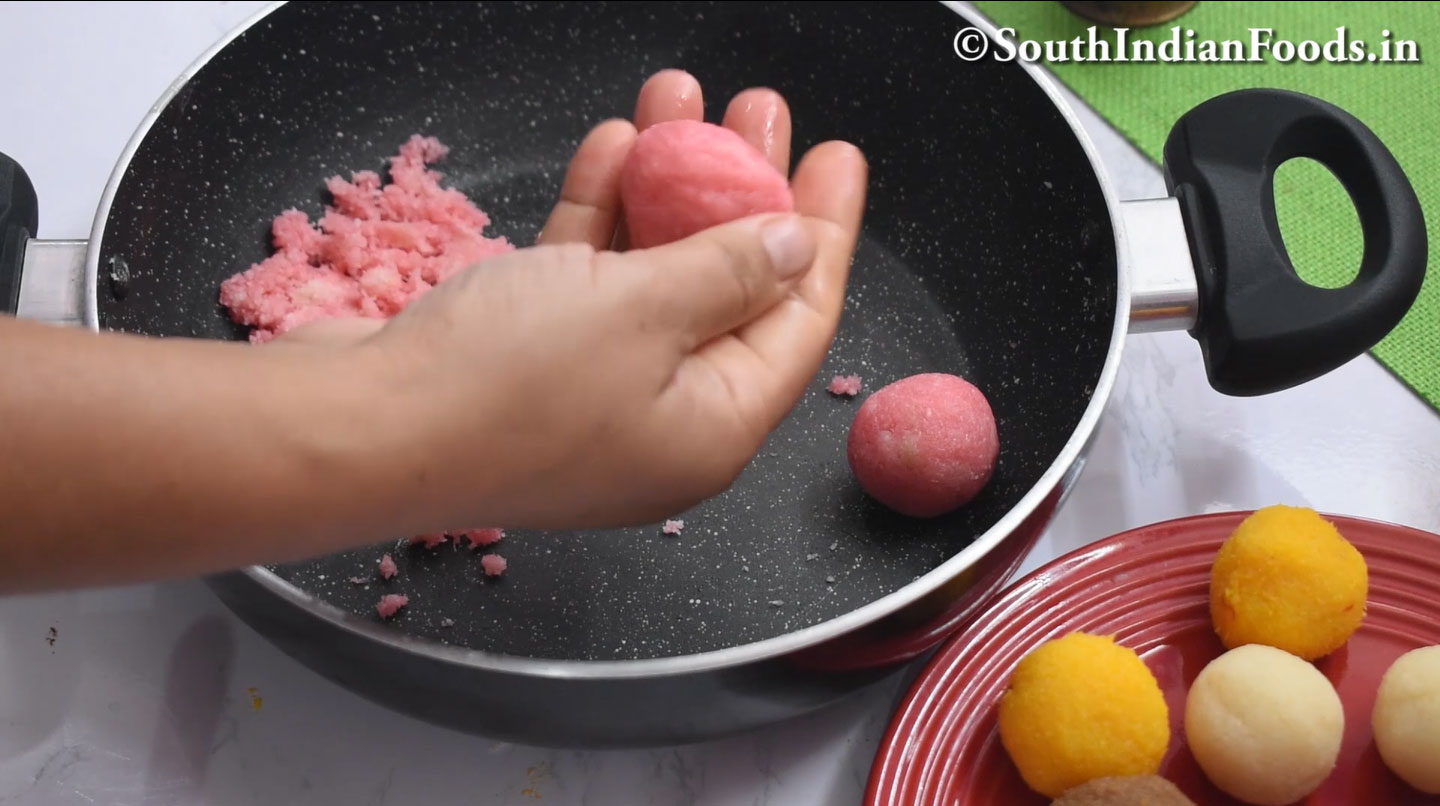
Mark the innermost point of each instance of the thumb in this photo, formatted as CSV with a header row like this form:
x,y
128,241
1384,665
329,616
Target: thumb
x,y
717,280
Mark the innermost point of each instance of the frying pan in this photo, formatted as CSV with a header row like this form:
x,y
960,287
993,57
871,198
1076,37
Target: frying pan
x,y
992,248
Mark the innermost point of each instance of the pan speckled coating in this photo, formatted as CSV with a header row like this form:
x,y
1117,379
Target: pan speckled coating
x,y
987,253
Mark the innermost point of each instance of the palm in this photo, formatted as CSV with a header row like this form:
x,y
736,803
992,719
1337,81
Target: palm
x,y
751,376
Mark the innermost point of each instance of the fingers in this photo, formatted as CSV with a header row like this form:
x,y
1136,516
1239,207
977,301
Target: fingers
x,y
589,205
717,280
776,355
829,188
829,184
762,117
669,95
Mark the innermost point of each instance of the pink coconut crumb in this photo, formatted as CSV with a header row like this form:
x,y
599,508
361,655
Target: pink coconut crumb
x,y
672,527
373,252
848,385
430,540
493,564
387,567
391,603
483,537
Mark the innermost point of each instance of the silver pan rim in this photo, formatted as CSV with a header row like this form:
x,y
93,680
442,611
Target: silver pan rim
x,y
90,316
730,657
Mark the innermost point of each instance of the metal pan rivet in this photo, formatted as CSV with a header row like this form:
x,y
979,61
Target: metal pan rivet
x,y
119,277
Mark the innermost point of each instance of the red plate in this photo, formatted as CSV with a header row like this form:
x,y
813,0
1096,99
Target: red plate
x,y
1149,588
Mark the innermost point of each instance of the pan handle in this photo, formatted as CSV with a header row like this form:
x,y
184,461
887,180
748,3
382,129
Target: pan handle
x,y
19,221
1260,327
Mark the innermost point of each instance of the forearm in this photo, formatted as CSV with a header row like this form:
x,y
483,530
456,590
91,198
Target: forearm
x,y
129,459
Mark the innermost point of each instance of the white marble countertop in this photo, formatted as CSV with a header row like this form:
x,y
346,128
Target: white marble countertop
x,y
145,694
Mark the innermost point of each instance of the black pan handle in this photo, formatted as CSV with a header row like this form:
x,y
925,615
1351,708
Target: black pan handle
x,y
1261,328
19,221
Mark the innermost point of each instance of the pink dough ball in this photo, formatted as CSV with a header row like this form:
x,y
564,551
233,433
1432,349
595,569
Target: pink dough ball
x,y
925,445
685,176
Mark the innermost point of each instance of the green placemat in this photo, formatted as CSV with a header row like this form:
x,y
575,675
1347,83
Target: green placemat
x,y
1399,101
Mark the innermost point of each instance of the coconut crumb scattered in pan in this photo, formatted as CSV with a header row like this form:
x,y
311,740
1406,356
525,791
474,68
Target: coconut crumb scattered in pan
x,y
477,538
390,604
672,527
844,385
493,564
387,567
480,538
430,541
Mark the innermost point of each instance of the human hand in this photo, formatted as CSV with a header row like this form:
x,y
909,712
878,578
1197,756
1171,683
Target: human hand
x,y
576,384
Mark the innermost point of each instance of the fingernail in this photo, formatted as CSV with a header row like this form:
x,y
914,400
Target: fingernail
x,y
789,246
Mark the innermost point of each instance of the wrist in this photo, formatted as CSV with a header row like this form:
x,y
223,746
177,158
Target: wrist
x,y
384,436
345,445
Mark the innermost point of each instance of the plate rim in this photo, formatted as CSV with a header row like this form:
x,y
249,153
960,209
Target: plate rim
x,y
892,740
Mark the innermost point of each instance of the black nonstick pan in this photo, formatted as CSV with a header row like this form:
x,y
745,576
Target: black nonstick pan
x,y
992,249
